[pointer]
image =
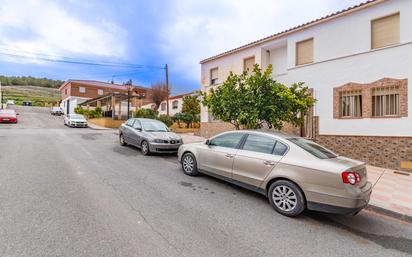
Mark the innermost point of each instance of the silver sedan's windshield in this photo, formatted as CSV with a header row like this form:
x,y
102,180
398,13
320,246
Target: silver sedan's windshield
x,y
154,126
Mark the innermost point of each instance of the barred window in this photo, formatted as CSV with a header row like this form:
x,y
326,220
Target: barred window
x,y
351,103
385,101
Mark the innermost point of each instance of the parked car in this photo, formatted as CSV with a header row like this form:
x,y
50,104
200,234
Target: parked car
x,y
56,111
8,116
75,120
294,173
151,136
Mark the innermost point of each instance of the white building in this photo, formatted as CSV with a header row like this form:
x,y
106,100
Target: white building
x,y
175,104
357,61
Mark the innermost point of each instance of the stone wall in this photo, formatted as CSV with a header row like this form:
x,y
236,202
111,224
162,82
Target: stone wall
x,y
386,152
209,129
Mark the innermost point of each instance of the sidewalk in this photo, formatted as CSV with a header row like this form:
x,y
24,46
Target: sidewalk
x,y
391,191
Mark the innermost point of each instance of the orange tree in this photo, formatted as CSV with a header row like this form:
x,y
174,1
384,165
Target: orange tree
x,y
252,100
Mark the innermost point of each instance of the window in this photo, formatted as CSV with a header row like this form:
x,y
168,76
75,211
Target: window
x,y
175,104
65,91
304,52
248,64
100,91
385,101
137,125
313,148
260,144
351,104
82,90
214,76
280,149
230,140
130,122
385,31
163,106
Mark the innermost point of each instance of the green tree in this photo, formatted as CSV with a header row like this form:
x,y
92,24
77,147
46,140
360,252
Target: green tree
x,y
190,109
166,119
145,113
252,100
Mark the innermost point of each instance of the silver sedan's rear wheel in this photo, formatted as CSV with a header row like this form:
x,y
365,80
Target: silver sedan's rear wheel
x,y
189,164
286,198
144,147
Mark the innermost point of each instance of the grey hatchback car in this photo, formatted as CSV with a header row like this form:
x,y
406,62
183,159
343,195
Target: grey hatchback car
x,y
151,136
293,173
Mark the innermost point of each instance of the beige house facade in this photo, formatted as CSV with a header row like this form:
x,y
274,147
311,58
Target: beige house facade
x,y
357,63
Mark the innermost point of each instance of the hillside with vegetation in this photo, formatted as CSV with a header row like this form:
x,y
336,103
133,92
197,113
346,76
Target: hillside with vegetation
x,y
30,81
39,96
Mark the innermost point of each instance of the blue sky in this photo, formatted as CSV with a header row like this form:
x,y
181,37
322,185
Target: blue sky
x,y
150,33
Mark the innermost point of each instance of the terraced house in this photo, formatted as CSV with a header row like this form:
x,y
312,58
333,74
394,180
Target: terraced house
x,y
358,63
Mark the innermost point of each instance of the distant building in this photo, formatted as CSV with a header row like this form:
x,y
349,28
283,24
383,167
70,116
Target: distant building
x,y
175,104
75,92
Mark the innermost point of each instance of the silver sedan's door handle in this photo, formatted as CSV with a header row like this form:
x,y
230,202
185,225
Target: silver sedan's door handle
x,y
269,163
230,156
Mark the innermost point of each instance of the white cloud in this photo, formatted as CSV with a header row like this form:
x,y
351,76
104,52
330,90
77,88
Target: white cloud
x,y
46,27
200,29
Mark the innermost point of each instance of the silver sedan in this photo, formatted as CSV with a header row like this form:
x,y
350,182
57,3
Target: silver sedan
x,y
151,136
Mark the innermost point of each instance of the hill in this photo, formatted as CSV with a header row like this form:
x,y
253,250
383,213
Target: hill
x,y
30,81
40,96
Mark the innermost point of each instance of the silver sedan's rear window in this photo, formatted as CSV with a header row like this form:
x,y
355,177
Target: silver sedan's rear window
x,y
313,148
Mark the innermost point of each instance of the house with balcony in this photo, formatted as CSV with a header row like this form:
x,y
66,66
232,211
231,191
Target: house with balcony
x,y
112,97
357,63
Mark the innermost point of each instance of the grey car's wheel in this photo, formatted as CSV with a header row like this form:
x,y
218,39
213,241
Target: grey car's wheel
x,y
144,147
189,164
122,141
286,198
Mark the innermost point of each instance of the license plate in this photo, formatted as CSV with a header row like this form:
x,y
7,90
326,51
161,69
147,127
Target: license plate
x,y
6,119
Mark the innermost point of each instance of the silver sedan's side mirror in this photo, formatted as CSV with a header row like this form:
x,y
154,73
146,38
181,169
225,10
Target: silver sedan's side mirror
x,y
207,142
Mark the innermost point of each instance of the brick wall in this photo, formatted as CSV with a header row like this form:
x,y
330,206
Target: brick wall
x,y
386,152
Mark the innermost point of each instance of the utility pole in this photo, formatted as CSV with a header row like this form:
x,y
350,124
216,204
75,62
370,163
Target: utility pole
x,y
1,97
167,89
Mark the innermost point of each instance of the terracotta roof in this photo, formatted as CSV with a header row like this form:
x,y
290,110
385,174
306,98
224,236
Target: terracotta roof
x,y
180,96
100,84
300,27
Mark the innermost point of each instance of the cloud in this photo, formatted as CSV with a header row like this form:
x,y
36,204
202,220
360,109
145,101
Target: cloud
x,y
47,27
200,29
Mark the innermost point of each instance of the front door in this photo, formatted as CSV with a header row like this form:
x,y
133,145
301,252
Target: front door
x,y
218,156
256,159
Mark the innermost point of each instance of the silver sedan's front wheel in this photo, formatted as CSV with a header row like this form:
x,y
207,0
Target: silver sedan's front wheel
x,y
122,141
189,164
286,198
144,147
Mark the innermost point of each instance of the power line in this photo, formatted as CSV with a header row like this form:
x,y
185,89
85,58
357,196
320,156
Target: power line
x,y
71,60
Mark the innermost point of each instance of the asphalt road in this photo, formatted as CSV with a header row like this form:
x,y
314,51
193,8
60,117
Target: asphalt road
x,y
76,192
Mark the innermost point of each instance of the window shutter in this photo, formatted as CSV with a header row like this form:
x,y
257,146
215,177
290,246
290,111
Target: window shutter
x,y
213,73
386,31
248,63
304,52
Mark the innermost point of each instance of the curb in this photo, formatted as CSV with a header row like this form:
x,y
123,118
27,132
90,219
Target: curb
x,y
390,213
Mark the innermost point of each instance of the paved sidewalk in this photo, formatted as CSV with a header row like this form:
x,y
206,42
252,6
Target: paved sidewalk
x,y
391,191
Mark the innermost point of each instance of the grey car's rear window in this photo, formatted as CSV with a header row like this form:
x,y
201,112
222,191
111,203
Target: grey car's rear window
x,y
313,148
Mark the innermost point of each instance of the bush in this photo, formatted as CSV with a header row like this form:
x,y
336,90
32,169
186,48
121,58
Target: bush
x,y
89,114
183,117
166,120
145,113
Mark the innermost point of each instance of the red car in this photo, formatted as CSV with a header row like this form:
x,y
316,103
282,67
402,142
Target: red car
x,y
8,116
